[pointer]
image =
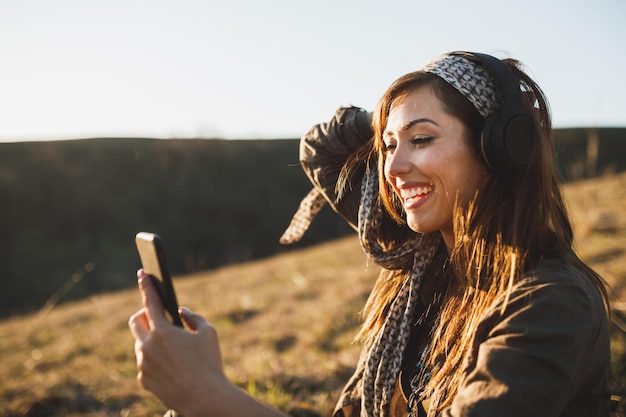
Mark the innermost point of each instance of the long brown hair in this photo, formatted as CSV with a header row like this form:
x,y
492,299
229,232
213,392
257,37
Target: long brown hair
x,y
516,219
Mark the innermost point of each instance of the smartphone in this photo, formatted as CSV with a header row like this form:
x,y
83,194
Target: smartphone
x,y
152,254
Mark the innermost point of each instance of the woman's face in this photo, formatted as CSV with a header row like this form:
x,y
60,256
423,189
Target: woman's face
x,y
429,163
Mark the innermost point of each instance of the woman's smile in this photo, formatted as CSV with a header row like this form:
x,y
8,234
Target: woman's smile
x,y
414,196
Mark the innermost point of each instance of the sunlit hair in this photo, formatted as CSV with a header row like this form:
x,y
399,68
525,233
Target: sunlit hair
x,y
500,235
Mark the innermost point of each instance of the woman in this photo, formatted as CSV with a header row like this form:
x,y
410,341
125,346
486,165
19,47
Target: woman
x,y
482,307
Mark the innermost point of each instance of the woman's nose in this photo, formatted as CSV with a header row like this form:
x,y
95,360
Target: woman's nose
x,y
396,164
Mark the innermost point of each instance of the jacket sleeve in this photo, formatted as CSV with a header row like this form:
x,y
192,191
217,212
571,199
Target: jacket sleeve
x,y
325,149
546,355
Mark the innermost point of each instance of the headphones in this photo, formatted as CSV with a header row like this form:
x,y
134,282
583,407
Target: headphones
x,y
505,139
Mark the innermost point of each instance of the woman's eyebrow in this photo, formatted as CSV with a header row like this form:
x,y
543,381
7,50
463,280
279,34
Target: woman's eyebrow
x,y
412,123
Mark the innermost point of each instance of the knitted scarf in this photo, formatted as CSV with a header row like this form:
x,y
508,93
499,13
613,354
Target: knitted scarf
x,y
379,366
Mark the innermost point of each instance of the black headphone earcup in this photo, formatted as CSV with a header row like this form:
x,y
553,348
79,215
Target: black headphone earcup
x,y
486,148
506,140
508,134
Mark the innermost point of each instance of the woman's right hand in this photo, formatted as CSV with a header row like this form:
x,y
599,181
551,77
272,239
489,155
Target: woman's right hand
x,y
183,368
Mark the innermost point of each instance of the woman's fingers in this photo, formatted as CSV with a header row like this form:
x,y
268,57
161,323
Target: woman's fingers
x,y
193,321
150,299
139,325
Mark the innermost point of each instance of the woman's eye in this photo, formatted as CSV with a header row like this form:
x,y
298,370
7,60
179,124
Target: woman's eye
x,y
421,140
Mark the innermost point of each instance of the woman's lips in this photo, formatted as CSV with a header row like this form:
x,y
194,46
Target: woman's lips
x,y
415,196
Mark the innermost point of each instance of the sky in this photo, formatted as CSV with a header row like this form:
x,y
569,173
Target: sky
x,y
250,69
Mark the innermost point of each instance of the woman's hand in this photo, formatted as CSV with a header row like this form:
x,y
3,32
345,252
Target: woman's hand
x,y
183,368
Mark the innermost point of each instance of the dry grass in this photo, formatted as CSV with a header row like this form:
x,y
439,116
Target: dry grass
x,y
285,325
598,210
597,207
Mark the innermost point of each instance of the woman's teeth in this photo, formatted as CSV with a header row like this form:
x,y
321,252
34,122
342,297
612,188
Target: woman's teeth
x,y
415,192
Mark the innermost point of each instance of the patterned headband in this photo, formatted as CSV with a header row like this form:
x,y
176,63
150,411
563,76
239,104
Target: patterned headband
x,y
468,78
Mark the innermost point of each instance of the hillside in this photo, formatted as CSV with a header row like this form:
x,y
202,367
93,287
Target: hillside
x,y
69,209
285,324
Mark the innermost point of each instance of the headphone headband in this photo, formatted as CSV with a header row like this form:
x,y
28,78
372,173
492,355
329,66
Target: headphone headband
x,y
507,134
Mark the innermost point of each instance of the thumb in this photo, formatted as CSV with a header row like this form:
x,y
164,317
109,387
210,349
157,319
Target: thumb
x,y
193,321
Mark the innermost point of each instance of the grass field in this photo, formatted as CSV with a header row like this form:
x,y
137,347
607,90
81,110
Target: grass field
x,y
285,324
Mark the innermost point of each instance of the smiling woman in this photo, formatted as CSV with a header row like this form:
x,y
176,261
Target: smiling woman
x,y
482,307
426,162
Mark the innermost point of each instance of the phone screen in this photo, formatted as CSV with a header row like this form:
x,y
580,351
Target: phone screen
x,y
154,264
